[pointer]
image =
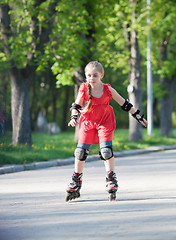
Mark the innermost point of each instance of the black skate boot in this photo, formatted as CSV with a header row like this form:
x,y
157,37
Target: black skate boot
x,y
111,185
74,187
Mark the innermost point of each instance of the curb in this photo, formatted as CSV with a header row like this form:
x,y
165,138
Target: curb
x,y
62,162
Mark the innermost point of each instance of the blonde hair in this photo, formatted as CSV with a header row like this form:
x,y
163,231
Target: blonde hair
x,y
99,67
95,64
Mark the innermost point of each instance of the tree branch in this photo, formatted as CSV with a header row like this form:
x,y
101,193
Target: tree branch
x,y
41,37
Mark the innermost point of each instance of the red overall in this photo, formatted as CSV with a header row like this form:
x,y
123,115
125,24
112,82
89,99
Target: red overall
x,y
98,124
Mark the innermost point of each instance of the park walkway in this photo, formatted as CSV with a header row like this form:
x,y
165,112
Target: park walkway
x,y
33,207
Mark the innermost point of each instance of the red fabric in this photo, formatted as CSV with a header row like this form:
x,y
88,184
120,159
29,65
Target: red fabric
x,y
98,124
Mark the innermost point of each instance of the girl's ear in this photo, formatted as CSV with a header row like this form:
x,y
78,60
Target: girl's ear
x,y
102,75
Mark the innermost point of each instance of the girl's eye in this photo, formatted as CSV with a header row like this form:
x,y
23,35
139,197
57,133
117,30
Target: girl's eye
x,y
95,75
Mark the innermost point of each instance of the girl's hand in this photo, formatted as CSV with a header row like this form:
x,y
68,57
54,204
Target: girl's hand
x,y
144,122
139,118
74,120
72,123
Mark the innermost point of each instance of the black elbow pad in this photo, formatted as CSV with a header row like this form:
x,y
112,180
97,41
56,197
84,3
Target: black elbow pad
x,y
127,105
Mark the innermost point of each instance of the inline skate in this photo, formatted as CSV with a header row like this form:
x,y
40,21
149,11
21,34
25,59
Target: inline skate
x,y
111,185
73,190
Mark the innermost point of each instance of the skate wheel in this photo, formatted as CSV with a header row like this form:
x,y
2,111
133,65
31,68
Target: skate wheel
x,y
68,198
71,196
112,197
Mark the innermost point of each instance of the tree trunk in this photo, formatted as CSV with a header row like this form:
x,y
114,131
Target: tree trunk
x,y
166,104
65,108
166,107
54,107
21,124
134,89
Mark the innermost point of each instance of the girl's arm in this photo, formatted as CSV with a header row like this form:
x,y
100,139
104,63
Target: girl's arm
x,y
75,113
120,100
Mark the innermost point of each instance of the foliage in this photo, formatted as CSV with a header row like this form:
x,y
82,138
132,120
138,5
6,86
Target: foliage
x,y
69,44
110,45
163,32
113,26
68,30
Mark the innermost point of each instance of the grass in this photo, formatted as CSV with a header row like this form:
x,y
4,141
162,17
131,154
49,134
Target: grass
x,y
46,147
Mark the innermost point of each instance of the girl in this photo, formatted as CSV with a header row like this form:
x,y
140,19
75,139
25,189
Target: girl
x,y
96,126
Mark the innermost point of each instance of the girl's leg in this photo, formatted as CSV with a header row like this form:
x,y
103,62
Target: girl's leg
x,y
81,152
110,164
106,154
73,189
111,180
79,165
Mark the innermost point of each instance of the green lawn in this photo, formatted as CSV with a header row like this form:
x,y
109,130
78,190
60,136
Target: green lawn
x,y
47,147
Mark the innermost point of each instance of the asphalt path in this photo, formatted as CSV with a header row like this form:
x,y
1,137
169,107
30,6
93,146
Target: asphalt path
x,y
33,207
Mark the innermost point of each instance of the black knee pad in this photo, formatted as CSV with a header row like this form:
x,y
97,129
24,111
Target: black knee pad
x,y
81,153
106,153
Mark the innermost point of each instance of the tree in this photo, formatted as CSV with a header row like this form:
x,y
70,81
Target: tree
x,y
22,57
164,59
37,34
117,32
134,89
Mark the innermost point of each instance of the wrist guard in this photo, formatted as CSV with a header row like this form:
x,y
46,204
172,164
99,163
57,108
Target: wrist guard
x,y
138,119
75,117
127,105
75,106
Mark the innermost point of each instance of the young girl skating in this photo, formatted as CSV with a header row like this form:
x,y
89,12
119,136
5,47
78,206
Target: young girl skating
x,y
96,126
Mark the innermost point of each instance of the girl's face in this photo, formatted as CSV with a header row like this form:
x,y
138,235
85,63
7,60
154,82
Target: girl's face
x,y
93,76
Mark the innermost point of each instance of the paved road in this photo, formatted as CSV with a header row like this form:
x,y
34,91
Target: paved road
x,y
32,205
